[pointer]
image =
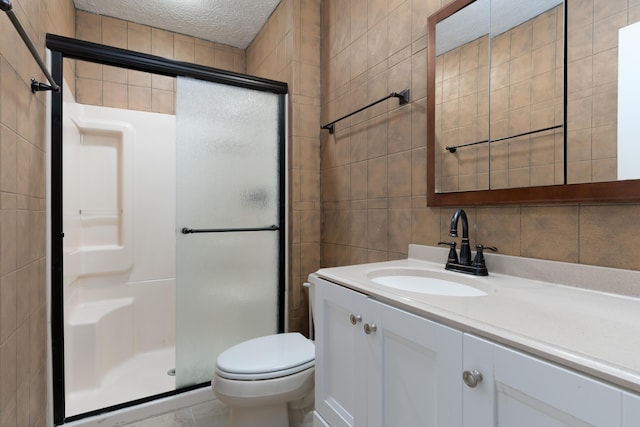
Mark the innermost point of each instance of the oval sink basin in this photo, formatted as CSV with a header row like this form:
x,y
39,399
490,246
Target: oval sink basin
x,y
427,285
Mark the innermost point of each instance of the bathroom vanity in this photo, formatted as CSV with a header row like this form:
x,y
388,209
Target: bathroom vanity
x,y
392,349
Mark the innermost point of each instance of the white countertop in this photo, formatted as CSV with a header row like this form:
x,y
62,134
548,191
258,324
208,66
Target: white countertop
x,y
592,330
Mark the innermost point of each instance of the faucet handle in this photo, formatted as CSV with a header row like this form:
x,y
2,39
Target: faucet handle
x,y
453,255
478,261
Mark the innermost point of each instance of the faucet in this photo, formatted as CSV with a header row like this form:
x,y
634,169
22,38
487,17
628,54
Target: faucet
x,y
477,267
465,250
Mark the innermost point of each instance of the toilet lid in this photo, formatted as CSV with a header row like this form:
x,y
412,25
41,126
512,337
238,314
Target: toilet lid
x,y
270,356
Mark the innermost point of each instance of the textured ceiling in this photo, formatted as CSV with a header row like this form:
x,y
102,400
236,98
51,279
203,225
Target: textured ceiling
x,y
230,22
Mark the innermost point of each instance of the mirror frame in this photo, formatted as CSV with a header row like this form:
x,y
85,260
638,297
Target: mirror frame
x,y
597,192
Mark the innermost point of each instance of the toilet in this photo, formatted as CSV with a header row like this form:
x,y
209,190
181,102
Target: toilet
x,y
267,381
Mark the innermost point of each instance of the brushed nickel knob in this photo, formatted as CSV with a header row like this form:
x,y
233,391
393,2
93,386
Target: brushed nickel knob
x,y
369,328
472,378
355,318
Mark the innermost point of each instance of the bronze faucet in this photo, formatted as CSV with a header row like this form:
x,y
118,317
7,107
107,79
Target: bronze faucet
x,y
477,267
465,250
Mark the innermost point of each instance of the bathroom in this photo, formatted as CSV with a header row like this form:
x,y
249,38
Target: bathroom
x,y
356,196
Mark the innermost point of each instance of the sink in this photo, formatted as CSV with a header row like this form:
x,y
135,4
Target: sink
x,y
424,282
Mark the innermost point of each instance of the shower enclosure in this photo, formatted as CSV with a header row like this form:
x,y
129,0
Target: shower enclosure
x,y
167,231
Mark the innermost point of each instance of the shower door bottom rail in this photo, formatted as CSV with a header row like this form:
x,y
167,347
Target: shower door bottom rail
x,y
186,230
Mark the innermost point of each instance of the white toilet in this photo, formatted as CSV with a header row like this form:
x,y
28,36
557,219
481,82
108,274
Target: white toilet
x,y
267,381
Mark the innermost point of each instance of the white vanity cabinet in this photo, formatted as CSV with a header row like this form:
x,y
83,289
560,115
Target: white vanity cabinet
x,y
520,390
378,366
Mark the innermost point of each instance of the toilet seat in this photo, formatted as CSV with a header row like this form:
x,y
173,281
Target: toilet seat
x,y
268,357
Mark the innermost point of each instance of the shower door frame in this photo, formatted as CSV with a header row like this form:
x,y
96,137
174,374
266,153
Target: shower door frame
x,y
64,47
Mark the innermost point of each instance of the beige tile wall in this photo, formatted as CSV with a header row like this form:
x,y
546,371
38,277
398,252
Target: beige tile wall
x,y
374,167
288,49
525,94
592,67
120,88
23,309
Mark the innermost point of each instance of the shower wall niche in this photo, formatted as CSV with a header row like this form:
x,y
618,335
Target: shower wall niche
x,y
98,205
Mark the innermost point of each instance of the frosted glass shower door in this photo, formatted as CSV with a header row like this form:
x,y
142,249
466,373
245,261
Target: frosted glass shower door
x,y
227,277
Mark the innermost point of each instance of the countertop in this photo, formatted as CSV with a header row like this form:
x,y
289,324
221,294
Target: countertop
x,y
582,317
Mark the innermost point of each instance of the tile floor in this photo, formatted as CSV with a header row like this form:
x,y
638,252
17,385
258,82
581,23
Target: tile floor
x,y
209,414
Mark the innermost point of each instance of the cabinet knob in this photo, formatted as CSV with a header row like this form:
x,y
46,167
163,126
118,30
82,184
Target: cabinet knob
x,y
355,318
472,378
368,328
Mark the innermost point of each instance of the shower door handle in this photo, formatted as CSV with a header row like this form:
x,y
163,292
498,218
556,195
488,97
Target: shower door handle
x,y
186,230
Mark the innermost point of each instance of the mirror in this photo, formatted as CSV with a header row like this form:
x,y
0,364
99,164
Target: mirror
x,y
505,124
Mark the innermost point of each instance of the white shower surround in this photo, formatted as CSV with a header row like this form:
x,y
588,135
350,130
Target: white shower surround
x,y
119,317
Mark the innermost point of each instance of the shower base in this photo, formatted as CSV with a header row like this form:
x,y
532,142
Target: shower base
x,y
141,376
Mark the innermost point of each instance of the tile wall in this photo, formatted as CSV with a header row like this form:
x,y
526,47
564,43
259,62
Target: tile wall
x,y
592,67
23,309
288,49
109,86
374,166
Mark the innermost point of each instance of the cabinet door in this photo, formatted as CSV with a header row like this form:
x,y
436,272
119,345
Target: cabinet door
x,y
418,362
477,358
630,410
340,377
529,392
